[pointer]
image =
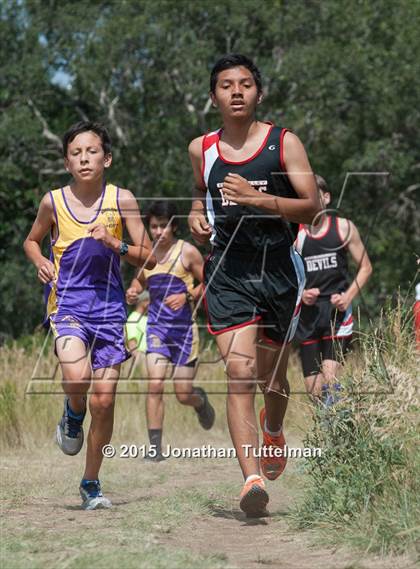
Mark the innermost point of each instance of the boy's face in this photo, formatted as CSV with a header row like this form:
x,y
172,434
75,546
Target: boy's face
x,y
85,158
161,230
236,93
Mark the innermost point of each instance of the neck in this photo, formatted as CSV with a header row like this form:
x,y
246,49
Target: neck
x,y
315,229
164,248
238,131
93,188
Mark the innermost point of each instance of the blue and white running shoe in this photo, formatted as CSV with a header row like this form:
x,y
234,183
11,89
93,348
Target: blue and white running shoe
x,y
91,493
69,433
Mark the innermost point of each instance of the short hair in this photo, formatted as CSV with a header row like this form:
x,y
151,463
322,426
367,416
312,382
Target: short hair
x,y
322,184
163,208
234,60
85,126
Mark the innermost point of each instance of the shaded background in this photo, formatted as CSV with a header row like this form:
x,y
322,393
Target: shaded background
x,y
343,76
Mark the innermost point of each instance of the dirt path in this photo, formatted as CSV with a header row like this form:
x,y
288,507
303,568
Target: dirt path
x,y
179,513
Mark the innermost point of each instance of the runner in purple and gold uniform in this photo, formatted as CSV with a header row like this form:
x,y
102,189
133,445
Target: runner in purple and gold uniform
x,y
172,334
85,297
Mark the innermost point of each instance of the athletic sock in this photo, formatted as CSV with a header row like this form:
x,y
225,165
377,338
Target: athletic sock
x,y
155,438
272,433
252,477
87,481
72,414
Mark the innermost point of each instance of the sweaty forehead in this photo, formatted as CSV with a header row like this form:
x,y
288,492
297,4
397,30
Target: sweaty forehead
x,y
87,138
235,74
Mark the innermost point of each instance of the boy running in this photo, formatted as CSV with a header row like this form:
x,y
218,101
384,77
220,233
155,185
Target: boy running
x,y
172,334
253,277
326,321
85,301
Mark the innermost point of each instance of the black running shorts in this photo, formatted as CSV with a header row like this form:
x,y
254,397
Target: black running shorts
x,y
324,333
244,288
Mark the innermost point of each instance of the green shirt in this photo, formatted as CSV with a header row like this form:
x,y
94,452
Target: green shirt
x,y
136,330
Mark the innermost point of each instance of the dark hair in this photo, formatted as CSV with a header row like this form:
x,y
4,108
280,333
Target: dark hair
x,y
322,184
85,126
163,208
234,60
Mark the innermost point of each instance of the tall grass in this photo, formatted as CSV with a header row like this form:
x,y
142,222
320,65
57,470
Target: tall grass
x,y
31,398
366,488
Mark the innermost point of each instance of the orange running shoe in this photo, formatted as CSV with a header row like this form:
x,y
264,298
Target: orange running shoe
x,y
254,498
271,465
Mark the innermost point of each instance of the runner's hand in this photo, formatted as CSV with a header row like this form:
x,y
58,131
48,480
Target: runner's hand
x,y
100,233
131,295
340,301
176,301
199,227
310,296
238,190
46,271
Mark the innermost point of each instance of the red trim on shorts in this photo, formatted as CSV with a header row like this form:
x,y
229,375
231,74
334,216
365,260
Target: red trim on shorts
x,y
336,337
308,342
236,327
268,340
260,149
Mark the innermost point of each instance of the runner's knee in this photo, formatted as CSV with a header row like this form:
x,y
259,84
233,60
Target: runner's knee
x,y
156,387
101,404
241,377
75,383
183,397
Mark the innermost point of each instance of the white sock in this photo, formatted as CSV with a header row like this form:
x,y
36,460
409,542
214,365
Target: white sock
x,y
252,477
272,433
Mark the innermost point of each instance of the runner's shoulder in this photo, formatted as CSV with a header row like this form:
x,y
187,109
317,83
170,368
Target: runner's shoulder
x,y
46,206
195,146
188,247
346,229
127,201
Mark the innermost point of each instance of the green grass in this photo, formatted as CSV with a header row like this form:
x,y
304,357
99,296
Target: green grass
x,y
37,533
365,489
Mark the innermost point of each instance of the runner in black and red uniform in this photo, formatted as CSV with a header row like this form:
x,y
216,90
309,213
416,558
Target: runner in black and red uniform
x,y
252,178
326,320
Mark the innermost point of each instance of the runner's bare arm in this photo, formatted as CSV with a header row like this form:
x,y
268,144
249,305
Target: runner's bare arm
x,y
32,246
193,262
299,172
137,285
359,255
140,253
198,224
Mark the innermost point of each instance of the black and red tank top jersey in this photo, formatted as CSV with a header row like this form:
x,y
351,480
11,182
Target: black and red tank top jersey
x,y
325,257
244,227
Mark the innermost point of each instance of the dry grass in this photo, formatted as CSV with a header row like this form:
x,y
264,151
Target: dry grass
x,y
366,487
31,397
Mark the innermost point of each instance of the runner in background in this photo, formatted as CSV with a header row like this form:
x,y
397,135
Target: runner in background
x,y
326,321
172,333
